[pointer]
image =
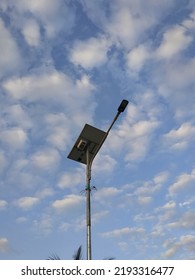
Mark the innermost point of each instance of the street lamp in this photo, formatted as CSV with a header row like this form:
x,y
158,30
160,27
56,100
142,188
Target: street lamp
x,y
84,151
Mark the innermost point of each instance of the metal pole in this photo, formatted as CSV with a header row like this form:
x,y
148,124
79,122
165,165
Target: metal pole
x,y
88,188
88,178
88,206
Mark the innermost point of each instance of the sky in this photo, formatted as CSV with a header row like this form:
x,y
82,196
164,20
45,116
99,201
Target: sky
x,y
67,63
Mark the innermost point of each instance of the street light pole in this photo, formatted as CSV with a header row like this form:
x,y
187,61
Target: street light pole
x,y
121,109
88,206
85,149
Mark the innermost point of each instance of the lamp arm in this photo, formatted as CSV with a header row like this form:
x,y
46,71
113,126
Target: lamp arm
x,y
102,142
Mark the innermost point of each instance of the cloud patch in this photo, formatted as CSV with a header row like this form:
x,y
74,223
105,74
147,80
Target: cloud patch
x,y
186,221
46,159
26,203
71,180
90,53
14,138
134,137
3,204
10,57
175,248
31,33
68,203
127,232
179,139
174,41
4,245
183,183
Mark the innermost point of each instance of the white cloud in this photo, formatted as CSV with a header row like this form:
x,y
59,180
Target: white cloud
x,y
171,251
180,81
59,137
95,10
179,139
27,202
19,165
134,134
80,222
69,202
123,26
3,204
144,200
70,180
185,242
21,171
52,14
4,5
137,57
58,130
144,217
137,151
173,75
47,7
182,183
166,212
3,162
189,23
44,224
123,232
58,89
96,217
16,115
136,138
134,114
161,177
90,53
103,163
65,227
186,130
14,138
169,205
44,193
39,87
21,220
149,105
142,128
10,58
144,191
106,194
46,159
148,188
128,21
4,245
188,202
186,221
177,87
31,32
84,83
174,41
123,246
76,224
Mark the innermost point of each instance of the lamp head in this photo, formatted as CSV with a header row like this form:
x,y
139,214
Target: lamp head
x,y
123,106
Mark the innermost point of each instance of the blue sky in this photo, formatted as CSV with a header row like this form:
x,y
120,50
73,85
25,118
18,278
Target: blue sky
x,y
66,63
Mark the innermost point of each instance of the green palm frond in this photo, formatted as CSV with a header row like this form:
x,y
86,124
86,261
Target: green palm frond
x,y
53,257
78,254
